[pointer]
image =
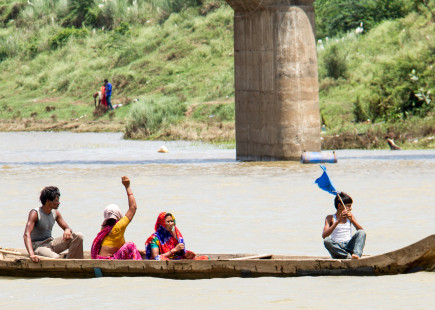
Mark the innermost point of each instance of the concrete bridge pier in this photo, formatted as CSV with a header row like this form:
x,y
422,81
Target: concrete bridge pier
x,y
277,105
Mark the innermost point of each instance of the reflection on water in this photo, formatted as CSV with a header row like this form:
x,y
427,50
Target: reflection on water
x,y
221,205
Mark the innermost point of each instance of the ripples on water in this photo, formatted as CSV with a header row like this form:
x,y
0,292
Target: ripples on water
x,y
221,205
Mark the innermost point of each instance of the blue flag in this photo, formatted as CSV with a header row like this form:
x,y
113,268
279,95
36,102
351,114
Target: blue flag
x,y
325,183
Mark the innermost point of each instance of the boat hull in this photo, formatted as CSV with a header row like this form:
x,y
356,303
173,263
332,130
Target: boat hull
x,y
419,256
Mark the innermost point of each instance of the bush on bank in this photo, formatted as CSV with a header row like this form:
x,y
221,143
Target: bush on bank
x,y
147,118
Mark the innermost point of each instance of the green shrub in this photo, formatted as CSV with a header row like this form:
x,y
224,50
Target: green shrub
x,y
99,19
32,47
420,101
78,12
62,36
4,50
334,61
396,86
358,111
167,7
10,12
147,118
174,6
377,108
122,29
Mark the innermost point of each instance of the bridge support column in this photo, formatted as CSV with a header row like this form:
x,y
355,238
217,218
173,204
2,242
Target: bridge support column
x,y
277,105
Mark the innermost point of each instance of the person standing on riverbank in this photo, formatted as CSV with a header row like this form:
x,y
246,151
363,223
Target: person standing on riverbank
x,y
37,234
337,232
108,91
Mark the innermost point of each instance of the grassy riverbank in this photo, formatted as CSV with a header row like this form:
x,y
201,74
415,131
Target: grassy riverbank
x,y
173,75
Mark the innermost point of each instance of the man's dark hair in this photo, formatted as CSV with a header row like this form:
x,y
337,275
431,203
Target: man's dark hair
x,y
345,197
106,81
49,193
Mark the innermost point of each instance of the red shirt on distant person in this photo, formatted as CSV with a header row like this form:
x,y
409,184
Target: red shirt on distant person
x,y
103,96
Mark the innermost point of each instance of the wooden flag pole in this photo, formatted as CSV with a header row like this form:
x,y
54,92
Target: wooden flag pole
x,y
341,201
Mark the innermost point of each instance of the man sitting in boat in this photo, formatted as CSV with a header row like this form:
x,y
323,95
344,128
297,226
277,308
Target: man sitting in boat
x,y
337,233
110,242
167,243
37,234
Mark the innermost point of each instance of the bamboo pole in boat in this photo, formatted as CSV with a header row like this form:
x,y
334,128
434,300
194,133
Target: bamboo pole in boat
x,y
12,252
253,257
2,251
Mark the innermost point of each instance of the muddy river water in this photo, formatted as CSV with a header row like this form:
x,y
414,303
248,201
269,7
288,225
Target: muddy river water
x,y
221,206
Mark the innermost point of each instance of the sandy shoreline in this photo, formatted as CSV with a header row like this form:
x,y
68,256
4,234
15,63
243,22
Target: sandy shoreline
x,y
80,125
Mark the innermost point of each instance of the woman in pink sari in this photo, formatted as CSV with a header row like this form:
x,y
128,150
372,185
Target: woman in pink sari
x,y
110,242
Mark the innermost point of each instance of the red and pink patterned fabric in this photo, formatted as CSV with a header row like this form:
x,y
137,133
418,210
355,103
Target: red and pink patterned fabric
x,y
127,251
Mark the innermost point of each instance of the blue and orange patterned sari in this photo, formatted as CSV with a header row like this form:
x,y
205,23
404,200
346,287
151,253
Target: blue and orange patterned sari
x,y
165,241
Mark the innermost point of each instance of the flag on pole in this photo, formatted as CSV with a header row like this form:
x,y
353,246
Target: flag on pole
x,y
325,183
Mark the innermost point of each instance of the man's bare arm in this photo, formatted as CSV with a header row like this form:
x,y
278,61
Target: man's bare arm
x,y
33,217
67,232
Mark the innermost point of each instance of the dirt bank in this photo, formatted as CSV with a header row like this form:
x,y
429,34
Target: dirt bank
x,y
189,131
225,133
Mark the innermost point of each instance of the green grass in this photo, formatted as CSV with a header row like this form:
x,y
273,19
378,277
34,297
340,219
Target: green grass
x,y
186,59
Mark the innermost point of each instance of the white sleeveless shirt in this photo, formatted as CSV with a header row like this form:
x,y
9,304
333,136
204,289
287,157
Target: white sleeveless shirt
x,y
343,231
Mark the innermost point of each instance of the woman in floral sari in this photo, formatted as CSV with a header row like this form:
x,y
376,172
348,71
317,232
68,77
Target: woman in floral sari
x,y
167,242
110,242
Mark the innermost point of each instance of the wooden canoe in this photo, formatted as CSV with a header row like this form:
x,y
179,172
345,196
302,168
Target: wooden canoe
x,y
419,256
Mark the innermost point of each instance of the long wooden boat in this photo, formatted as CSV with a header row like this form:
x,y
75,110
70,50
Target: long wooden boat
x,y
419,256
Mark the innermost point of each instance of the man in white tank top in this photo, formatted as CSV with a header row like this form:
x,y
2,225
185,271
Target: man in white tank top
x,y
337,233
37,235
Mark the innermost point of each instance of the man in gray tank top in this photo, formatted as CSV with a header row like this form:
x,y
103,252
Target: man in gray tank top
x,y
37,235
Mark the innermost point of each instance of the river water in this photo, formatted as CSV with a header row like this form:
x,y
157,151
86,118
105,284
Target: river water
x,y
221,206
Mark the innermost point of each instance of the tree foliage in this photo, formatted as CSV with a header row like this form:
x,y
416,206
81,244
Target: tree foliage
x,y
335,17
